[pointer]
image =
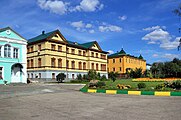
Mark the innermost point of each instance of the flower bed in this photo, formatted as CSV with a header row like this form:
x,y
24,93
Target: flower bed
x,y
154,79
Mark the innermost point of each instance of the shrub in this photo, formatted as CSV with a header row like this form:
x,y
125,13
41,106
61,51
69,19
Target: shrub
x,y
113,75
176,84
79,77
141,85
103,78
159,86
60,77
100,84
98,76
86,77
92,75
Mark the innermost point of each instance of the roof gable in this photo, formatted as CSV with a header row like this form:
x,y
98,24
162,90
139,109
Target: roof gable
x,y
92,45
10,33
55,35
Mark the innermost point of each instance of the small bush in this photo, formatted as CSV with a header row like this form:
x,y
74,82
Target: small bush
x,y
176,84
141,85
103,78
100,84
159,86
79,77
60,77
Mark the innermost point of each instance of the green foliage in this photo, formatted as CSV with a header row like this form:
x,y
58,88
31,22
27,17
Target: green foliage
x,y
103,78
167,69
100,84
60,77
148,74
92,75
159,87
141,85
79,77
113,76
98,76
137,73
176,85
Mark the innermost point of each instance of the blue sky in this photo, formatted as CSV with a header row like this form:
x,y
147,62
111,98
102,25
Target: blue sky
x,y
139,26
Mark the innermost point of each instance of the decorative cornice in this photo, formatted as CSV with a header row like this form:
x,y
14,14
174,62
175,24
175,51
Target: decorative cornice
x,y
11,40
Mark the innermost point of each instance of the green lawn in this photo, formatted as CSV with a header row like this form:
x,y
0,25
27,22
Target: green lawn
x,y
112,85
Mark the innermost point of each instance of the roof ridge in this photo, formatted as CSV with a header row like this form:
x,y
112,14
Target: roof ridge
x,y
42,36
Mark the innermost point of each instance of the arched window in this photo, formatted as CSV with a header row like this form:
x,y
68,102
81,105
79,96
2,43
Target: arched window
x,y
7,50
39,62
84,66
59,62
80,65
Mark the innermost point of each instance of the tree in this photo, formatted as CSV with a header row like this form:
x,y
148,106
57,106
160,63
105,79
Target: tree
x,y
92,75
113,76
167,69
60,77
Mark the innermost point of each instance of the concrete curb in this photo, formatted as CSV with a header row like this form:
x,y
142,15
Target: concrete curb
x,y
154,93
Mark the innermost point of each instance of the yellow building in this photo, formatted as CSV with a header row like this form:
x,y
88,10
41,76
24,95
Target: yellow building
x,y
120,62
50,54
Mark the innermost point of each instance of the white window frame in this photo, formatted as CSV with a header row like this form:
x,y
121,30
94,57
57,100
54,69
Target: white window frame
x,y
14,53
7,51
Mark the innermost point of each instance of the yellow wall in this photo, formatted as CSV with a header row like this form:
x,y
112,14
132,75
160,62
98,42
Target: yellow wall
x,y
126,62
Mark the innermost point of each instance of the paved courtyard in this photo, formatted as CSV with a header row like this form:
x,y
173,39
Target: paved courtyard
x,y
65,102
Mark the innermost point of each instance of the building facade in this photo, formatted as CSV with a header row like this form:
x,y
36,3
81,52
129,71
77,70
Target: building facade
x,y
121,62
50,54
12,57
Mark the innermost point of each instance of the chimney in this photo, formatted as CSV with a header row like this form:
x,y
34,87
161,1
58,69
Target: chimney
x,y
43,32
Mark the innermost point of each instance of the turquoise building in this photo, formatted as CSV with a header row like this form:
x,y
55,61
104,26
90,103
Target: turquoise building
x,y
12,57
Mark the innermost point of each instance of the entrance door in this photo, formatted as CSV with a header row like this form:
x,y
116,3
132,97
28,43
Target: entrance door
x,y
16,74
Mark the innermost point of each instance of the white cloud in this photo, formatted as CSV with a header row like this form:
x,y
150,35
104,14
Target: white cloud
x,y
122,17
60,7
57,6
88,25
170,56
88,6
155,55
161,37
110,51
78,24
112,28
154,28
91,31
83,27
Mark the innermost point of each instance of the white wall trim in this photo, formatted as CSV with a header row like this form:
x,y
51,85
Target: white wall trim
x,y
12,61
11,40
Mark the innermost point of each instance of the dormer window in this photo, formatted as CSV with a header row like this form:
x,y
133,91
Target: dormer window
x,y
7,51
